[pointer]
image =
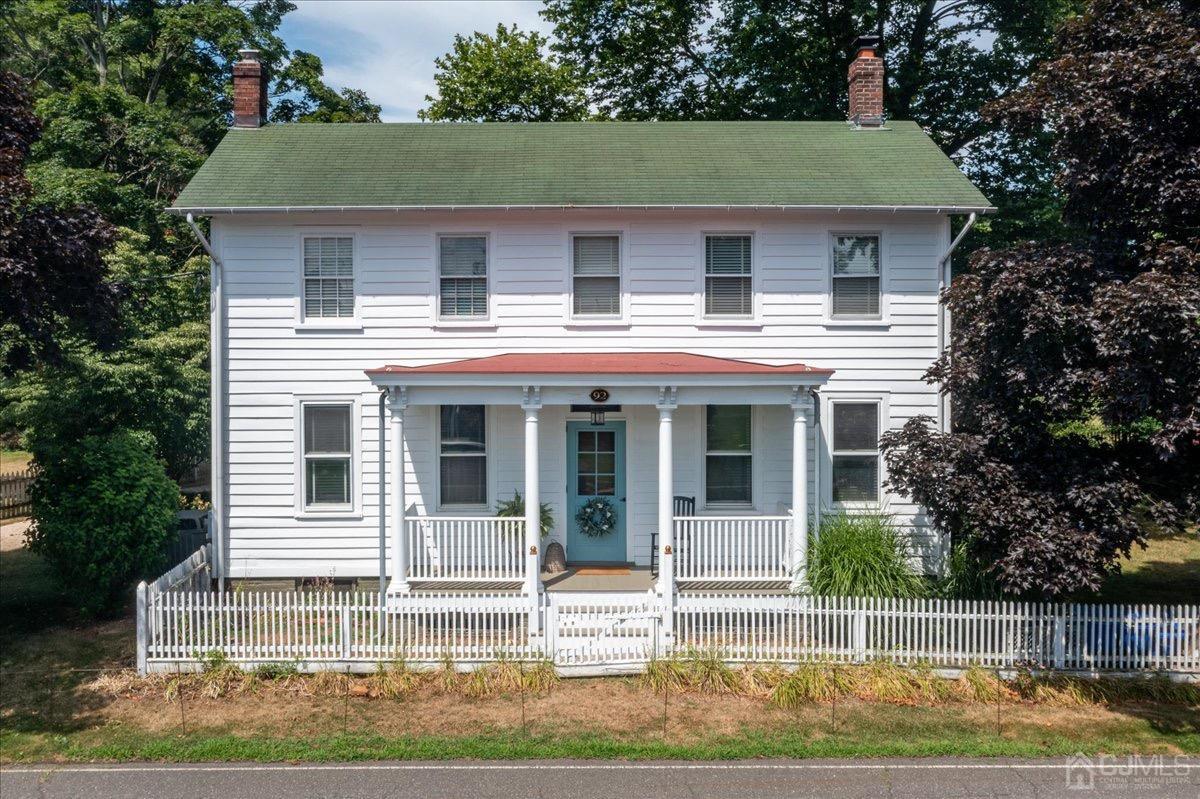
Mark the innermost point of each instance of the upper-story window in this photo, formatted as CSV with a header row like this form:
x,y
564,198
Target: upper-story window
x,y
596,275
727,455
855,452
462,275
856,277
328,276
728,279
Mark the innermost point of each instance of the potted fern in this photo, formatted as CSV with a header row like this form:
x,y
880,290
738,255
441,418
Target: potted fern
x,y
515,509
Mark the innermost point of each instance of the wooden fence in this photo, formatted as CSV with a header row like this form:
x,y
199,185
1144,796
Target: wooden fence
x,y
181,621
14,493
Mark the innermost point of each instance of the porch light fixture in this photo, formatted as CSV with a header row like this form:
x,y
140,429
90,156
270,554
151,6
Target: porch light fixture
x,y
596,411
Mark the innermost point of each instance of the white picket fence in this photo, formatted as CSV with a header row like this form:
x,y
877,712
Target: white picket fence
x,y
181,621
732,549
944,633
466,549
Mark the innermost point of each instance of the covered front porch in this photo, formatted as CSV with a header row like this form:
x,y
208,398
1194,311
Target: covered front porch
x,y
698,471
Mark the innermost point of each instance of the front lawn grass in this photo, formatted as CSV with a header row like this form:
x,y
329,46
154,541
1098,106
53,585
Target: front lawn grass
x,y
855,730
1166,572
14,460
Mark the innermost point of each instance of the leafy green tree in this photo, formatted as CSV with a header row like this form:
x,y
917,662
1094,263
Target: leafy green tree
x,y
1075,367
103,517
779,60
504,78
132,95
53,281
306,98
149,385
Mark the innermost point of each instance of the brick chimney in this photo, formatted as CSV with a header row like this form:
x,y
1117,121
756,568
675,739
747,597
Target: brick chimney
x,y
249,91
866,83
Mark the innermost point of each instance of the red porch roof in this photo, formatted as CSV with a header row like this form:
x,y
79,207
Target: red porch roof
x,y
597,363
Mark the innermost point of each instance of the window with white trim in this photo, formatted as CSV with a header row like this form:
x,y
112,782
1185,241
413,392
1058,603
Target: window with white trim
x,y
596,275
856,277
728,279
328,276
855,452
462,276
728,455
462,449
328,455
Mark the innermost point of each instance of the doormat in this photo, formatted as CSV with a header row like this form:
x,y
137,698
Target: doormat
x,y
605,571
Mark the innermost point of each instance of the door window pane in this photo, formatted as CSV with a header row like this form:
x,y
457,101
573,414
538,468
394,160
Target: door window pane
x,y
595,463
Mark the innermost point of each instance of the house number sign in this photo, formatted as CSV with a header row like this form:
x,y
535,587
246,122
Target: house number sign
x,y
599,395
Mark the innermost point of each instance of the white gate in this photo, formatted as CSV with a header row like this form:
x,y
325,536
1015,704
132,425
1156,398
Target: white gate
x,y
618,630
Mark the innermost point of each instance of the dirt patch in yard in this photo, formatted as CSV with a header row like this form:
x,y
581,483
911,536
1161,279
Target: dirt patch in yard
x,y
611,708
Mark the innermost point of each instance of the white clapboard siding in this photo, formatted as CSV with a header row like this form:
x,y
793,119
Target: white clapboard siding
x,y
273,359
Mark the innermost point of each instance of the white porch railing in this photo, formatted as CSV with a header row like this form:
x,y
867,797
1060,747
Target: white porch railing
x,y
729,548
465,549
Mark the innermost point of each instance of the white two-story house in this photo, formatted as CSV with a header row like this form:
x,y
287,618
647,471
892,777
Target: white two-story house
x,y
684,338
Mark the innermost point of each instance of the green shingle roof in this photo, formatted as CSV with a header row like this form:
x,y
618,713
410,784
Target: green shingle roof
x,y
824,164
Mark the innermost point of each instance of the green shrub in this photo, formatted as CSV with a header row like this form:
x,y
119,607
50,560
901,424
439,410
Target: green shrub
x,y
965,577
102,515
861,555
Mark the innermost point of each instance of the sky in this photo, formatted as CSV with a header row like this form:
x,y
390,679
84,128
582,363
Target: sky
x,y
387,47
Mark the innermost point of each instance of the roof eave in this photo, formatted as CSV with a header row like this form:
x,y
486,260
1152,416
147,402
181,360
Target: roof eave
x,y
305,209
559,380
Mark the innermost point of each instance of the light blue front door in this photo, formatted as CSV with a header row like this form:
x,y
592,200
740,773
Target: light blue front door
x,y
595,468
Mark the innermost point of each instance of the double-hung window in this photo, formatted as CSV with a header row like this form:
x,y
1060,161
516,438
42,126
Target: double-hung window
x,y
856,277
728,457
463,277
855,452
462,449
596,276
728,278
328,456
328,277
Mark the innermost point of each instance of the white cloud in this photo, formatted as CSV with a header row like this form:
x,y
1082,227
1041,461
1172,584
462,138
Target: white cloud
x,y
387,48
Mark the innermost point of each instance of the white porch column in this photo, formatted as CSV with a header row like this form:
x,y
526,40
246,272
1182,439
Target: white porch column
x,y
532,405
397,402
802,404
666,511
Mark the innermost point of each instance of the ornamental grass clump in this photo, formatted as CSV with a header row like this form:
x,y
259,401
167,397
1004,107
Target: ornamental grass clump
x,y
708,673
861,555
665,673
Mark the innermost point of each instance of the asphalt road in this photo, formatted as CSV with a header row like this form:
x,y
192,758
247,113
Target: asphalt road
x,y
934,778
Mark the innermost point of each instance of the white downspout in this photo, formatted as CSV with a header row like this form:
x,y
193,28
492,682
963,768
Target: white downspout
x,y
216,299
943,318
